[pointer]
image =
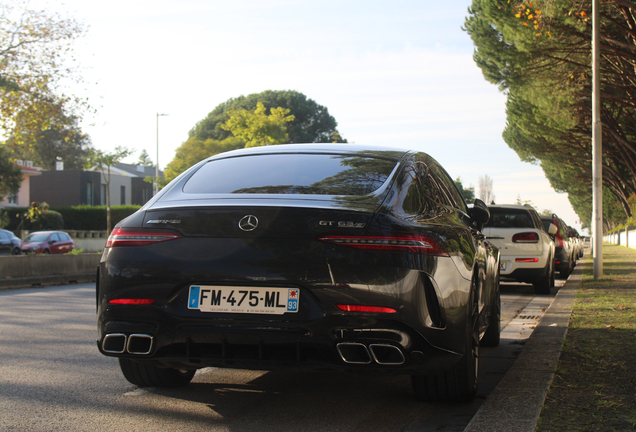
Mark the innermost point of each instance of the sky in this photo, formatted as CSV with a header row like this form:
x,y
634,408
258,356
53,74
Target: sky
x,y
397,73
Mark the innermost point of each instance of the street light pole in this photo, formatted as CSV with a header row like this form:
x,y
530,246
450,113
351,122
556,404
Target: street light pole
x,y
597,147
157,165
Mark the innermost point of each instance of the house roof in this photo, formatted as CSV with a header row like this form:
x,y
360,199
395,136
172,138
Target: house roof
x,y
28,170
138,170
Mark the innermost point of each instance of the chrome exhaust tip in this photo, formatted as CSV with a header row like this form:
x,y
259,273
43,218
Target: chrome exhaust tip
x,y
139,344
353,353
114,343
385,354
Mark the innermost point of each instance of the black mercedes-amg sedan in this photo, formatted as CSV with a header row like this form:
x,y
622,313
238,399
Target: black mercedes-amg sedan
x,y
303,256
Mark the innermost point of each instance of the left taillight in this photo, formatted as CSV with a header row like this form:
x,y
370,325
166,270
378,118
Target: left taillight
x,y
137,237
528,237
393,243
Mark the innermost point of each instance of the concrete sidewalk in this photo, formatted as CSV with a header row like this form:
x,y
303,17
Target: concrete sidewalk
x,y
515,404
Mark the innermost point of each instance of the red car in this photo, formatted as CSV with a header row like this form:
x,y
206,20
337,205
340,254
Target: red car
x,y
48,242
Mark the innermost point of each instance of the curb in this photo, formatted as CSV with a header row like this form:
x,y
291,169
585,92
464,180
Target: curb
x,y
516,403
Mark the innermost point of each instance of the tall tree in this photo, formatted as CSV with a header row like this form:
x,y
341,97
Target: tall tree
x,y
539,53
485,190
144,159
312,122
102,161
257,128
35,61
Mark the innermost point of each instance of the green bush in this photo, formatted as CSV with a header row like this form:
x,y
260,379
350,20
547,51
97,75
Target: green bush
x,y
52,221
81,218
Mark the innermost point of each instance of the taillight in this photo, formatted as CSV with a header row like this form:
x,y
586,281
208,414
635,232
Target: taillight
x,y
394,243
559,241
529,237
135,237
132,301
360,308
527,259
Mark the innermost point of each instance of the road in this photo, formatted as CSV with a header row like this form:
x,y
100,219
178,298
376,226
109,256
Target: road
x,y
52,378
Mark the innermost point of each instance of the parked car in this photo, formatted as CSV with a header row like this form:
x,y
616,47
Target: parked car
x,y
577,241
564,254
47,242
527,250
306,256
9,243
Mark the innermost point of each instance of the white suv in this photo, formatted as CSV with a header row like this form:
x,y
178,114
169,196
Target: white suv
x,y
527,250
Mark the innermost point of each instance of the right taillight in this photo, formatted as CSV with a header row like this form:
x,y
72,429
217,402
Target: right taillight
x,y
404,243
529,237
137,237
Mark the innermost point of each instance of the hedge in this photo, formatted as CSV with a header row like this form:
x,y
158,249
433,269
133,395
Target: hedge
x,y
89,218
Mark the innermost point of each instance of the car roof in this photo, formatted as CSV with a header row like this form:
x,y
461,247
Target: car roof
x,y
392,153
511,206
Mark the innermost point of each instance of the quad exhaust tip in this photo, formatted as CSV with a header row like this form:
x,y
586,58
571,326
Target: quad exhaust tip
x,y
120,343
359,353
386,354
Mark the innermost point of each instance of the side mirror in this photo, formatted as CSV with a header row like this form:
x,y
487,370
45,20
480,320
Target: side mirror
x,y
552,229
480,214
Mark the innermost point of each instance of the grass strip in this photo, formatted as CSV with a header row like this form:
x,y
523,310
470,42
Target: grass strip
x,y
594,388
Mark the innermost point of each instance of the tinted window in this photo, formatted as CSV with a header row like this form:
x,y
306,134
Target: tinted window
x,y
509,218
35,237
546,224
414,202
320,174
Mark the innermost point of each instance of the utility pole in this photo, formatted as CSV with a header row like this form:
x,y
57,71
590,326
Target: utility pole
x,y
597,146
157,165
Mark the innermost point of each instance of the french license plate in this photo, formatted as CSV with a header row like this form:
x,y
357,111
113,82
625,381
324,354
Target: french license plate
x,y
251,300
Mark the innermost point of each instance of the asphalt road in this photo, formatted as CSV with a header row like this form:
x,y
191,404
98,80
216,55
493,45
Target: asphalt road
x,y
52,378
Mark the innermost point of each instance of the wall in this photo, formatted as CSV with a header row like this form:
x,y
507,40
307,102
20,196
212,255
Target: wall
x,y
29,270
625,237
65,188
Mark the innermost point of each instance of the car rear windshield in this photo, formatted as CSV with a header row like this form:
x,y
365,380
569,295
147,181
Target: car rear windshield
x,y
319,174
509,218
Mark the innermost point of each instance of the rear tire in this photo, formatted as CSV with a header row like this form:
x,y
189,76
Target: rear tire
x,y
493,333
149,375
568,271
460,383
546,281
16,251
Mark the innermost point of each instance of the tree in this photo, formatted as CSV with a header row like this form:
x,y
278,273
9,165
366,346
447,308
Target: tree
x,y
257,128
10,174
539,54
35,60
144,159
64,142
312,122
468,193
102,161
485,189
195,150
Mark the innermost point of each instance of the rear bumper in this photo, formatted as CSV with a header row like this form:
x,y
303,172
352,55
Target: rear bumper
x,y
333,342
523,271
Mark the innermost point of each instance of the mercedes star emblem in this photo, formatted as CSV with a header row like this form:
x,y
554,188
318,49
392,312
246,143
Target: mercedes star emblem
x,y
248,223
